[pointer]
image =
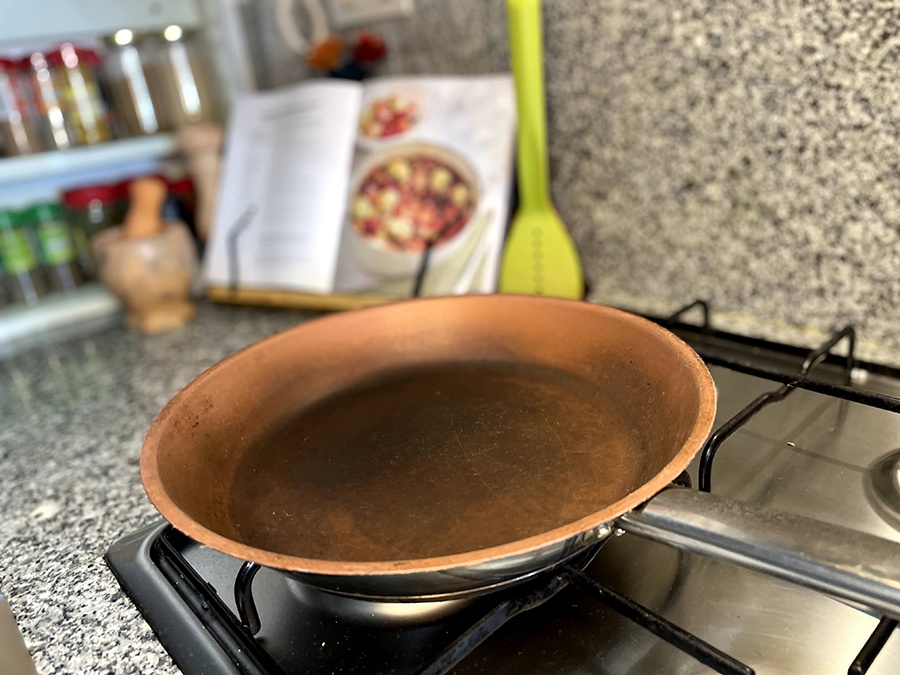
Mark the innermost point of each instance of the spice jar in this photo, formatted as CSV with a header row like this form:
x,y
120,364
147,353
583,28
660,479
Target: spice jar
x,y
89,210
178,78
129,87
56,246
56,134
19,260
18,122
75,69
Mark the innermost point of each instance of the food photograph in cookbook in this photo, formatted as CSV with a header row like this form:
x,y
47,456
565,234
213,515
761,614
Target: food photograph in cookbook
x,y
389,115
407,202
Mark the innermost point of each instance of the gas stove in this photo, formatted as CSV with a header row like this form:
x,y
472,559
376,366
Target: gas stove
x,y
791,435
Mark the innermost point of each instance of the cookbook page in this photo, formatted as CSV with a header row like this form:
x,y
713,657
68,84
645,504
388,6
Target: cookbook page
x,y
282,192
432,163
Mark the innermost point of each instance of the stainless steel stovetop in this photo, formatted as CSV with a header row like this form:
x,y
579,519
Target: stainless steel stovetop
x,y
811,454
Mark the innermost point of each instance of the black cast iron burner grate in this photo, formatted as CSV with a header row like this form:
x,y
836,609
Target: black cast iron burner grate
x,y
886,625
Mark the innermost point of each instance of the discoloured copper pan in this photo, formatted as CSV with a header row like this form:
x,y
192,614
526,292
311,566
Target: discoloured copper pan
x,y
445,445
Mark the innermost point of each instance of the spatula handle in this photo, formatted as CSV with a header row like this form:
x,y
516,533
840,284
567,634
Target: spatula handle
x,y
526,51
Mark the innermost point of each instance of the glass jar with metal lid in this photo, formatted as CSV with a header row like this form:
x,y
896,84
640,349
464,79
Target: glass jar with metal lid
x,y
75,69
18,122
47,97
129,88
179,79
56,246
20,260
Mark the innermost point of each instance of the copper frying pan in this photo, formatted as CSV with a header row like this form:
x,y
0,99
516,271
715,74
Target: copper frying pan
x,y
440,447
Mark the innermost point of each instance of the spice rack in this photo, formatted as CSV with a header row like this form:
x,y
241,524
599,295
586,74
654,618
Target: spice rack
x,y
44,175
90,307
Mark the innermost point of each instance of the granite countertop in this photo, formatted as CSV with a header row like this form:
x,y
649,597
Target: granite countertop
x,y
72,418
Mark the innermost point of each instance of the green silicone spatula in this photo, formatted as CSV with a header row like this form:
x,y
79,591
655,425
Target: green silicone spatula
x,y
539,257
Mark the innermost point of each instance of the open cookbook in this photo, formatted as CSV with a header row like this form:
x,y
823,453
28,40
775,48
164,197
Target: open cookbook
x,y
336,187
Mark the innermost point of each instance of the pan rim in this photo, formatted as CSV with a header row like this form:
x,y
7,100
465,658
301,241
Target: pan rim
x,y
172,512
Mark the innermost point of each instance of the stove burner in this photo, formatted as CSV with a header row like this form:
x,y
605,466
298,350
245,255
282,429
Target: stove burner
x,y
883,487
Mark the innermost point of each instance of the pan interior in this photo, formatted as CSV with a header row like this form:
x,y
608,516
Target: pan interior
x,y
437,459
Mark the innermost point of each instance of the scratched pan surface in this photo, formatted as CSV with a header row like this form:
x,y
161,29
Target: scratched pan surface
x,y
430,446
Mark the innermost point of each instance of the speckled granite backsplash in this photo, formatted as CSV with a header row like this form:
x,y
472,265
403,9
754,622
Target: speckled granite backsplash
x,y
741,152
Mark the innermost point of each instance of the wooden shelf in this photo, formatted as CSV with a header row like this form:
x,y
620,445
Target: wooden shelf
x,y
15,170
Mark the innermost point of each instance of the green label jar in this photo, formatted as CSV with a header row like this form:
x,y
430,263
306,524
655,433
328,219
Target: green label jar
x,y
55,242
16,251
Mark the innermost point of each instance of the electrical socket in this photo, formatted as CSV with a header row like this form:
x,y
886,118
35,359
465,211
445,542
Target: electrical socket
x,y
352,13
